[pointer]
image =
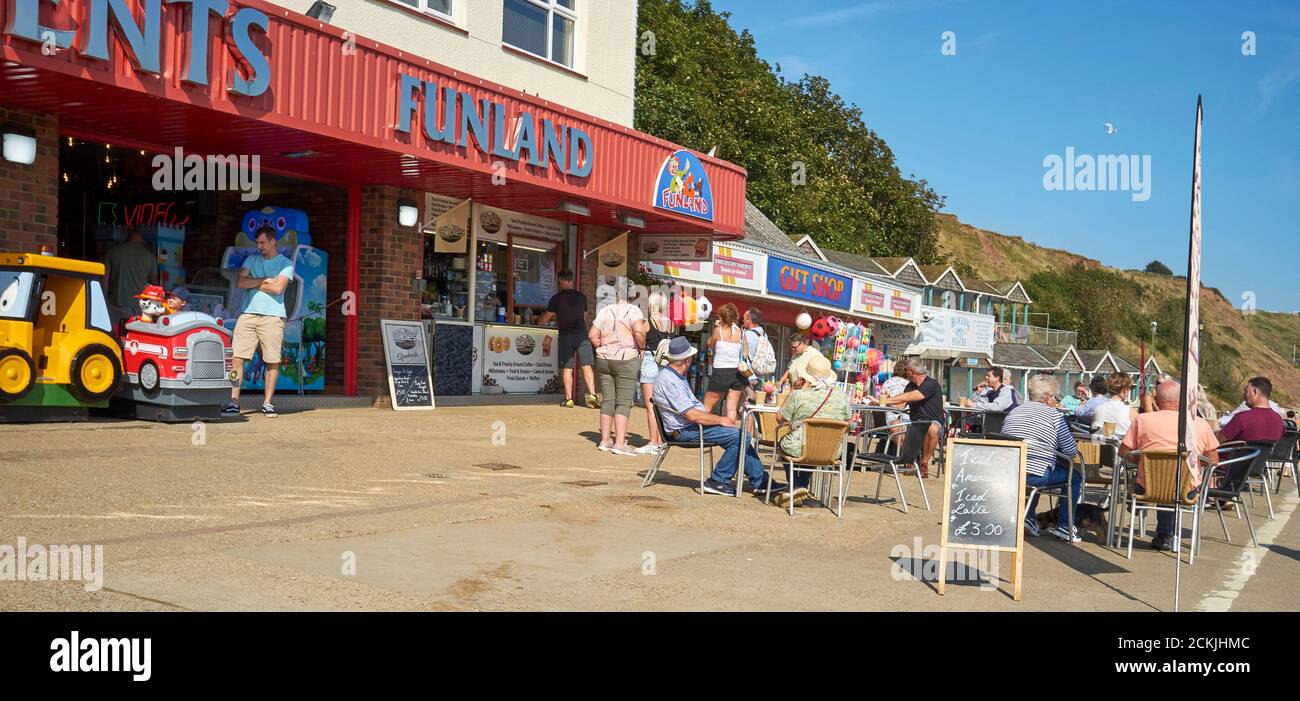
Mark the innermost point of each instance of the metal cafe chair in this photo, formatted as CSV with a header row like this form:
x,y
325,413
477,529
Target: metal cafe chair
x,y
913,442
1256,477
823,444
1283,457
1056,490
1231,478
700,444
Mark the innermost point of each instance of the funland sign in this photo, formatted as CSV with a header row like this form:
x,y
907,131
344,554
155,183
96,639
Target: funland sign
x,y
89,34
683,186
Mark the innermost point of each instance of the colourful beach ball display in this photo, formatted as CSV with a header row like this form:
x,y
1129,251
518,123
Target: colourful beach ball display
x,y
803,321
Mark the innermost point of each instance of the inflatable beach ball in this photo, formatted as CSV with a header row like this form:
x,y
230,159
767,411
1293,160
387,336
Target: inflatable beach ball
x,y
803,321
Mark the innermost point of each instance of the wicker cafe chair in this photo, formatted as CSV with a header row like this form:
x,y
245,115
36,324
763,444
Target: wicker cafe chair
x,y
823,443
1160,468
1283,457
1099,466
908,454
699,444
1230,478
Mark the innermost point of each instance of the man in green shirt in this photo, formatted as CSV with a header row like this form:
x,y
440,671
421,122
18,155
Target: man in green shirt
x,y
128,268
815,395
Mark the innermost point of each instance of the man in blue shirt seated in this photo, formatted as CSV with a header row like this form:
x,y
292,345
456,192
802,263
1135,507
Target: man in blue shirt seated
x,y
1085,411
684,418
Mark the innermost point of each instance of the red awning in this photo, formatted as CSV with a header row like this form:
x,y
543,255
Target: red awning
x,y
330,114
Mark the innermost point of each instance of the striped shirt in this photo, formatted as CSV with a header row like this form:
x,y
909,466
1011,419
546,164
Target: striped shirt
x,y
1045,433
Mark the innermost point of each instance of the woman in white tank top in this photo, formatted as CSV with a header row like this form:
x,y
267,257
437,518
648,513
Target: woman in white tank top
x,y
726,342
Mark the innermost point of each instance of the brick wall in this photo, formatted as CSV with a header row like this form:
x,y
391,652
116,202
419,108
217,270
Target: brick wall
x,y
391,257
29,194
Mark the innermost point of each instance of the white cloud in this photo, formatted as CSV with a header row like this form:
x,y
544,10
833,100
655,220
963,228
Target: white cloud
x,y
794,67
861,10
1278,79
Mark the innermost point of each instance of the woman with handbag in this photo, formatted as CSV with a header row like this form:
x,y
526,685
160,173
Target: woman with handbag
x,y
619,334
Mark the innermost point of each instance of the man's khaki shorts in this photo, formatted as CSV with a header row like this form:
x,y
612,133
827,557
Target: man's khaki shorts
x,y
253,330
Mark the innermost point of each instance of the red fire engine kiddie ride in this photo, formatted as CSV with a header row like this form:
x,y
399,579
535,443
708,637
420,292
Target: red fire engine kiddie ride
x,y
176,367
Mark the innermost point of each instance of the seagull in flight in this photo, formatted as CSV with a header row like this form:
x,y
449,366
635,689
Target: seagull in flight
x,y
1111,128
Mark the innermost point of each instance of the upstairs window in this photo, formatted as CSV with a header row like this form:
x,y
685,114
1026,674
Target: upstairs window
x,y
438,8
541,27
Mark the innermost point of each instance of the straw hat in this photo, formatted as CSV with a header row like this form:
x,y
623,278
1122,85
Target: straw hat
x,y
816,368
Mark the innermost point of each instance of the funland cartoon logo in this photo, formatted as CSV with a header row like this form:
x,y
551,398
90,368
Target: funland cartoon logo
x,y
683,186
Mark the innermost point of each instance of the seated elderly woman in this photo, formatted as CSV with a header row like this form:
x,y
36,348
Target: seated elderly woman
x,y
815,395
1045,432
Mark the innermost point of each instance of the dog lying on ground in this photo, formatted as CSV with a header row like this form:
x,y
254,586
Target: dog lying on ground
x,y
1087,517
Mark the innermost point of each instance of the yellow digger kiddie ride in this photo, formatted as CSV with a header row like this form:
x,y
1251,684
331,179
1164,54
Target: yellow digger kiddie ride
x,y
58,355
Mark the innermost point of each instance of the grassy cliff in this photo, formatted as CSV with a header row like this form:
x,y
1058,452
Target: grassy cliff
x,y
1235,345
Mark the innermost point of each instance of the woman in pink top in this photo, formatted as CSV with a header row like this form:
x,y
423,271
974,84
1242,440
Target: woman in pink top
x,y
618,335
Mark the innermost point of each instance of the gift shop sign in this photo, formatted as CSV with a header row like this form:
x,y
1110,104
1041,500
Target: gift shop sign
x,y
789,279
142,38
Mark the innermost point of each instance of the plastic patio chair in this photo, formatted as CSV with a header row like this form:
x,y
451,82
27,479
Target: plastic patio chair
x,y
700,444
823,445
913,442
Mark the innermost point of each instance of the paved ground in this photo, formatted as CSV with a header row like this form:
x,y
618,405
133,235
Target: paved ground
x,y
266,514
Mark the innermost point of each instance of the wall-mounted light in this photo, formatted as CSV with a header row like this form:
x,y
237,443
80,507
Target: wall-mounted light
x,y
407,213
631,220
19,144
322,11
581,210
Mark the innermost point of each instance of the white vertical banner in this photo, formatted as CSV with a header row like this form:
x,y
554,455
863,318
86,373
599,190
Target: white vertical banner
x,y
1192,351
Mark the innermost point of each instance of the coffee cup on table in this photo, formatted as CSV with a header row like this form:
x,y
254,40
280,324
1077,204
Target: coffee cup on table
x,y
760,397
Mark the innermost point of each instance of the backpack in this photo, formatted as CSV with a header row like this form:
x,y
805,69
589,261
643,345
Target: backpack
x,y
764,360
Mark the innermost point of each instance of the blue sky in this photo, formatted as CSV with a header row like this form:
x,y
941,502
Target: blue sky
x,y
1030,79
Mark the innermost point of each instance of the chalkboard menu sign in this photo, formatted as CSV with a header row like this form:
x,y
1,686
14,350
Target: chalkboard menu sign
x,y
410,384
983,499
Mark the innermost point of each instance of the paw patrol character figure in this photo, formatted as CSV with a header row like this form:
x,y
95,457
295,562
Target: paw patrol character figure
x,y
152,304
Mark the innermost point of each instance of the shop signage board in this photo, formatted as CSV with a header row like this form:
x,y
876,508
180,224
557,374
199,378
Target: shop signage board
x,y
494,224
892,339
410,381
520,360
953,333
877,298
983,498
786,278
730,265
683,186
675,248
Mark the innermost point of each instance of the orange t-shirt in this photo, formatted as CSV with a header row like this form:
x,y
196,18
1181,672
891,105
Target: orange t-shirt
x,y
1158,430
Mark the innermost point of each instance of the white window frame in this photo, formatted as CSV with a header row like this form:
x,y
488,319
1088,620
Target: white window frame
x,y
424,8
552,8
